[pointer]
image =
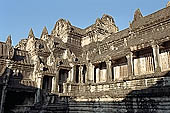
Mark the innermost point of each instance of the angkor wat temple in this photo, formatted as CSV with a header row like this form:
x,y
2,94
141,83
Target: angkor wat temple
x,y
98,69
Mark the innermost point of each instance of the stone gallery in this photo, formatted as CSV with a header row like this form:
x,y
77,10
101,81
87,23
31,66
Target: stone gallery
x,y
98,69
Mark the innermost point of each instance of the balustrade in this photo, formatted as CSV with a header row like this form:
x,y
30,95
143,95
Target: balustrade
x,y
144,64
120,71
165,59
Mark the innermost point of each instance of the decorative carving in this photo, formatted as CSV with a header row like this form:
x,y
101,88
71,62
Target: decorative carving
x,y
60,28
51,60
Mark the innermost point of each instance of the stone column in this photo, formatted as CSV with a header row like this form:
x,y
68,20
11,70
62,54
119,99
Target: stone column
x,y
97,75
72,74
155,49
90,73
130,64
39,86
109,70
80,74
55,82
86,73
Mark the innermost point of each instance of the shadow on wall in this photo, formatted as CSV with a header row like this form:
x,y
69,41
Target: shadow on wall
x,y
21,99
154,99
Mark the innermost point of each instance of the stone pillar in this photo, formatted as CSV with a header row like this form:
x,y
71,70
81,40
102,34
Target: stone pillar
x,y
69,76
90,73
155,49
109,70
80,74
55,82
97,75
72,74
39,86
130,64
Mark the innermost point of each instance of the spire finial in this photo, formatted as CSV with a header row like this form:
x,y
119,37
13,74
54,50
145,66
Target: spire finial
x,y
31,34
9,41
44,32
137,14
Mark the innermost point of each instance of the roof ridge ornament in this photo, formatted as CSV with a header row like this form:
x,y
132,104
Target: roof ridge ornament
x,y
137,15
107,18
9,41
10,49
44,32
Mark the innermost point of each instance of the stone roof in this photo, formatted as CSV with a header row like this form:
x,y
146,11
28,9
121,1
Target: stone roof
x,y
78,30
116,36
154,17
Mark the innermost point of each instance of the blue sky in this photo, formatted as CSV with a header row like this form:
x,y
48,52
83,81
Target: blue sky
x,y
18,16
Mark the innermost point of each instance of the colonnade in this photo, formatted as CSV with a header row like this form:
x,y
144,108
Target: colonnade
x,y
106,72
102,72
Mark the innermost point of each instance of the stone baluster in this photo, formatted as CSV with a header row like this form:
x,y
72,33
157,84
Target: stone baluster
x,y
109,70
155,49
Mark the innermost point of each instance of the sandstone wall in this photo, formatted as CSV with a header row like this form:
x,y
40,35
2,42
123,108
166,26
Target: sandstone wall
x,y
147,95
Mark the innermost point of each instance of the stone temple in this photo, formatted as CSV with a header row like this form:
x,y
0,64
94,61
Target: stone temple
x,y
98,69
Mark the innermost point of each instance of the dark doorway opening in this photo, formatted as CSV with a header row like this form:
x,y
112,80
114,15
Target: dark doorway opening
x,y
84,73
47,83
14,98
77,74
63,75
